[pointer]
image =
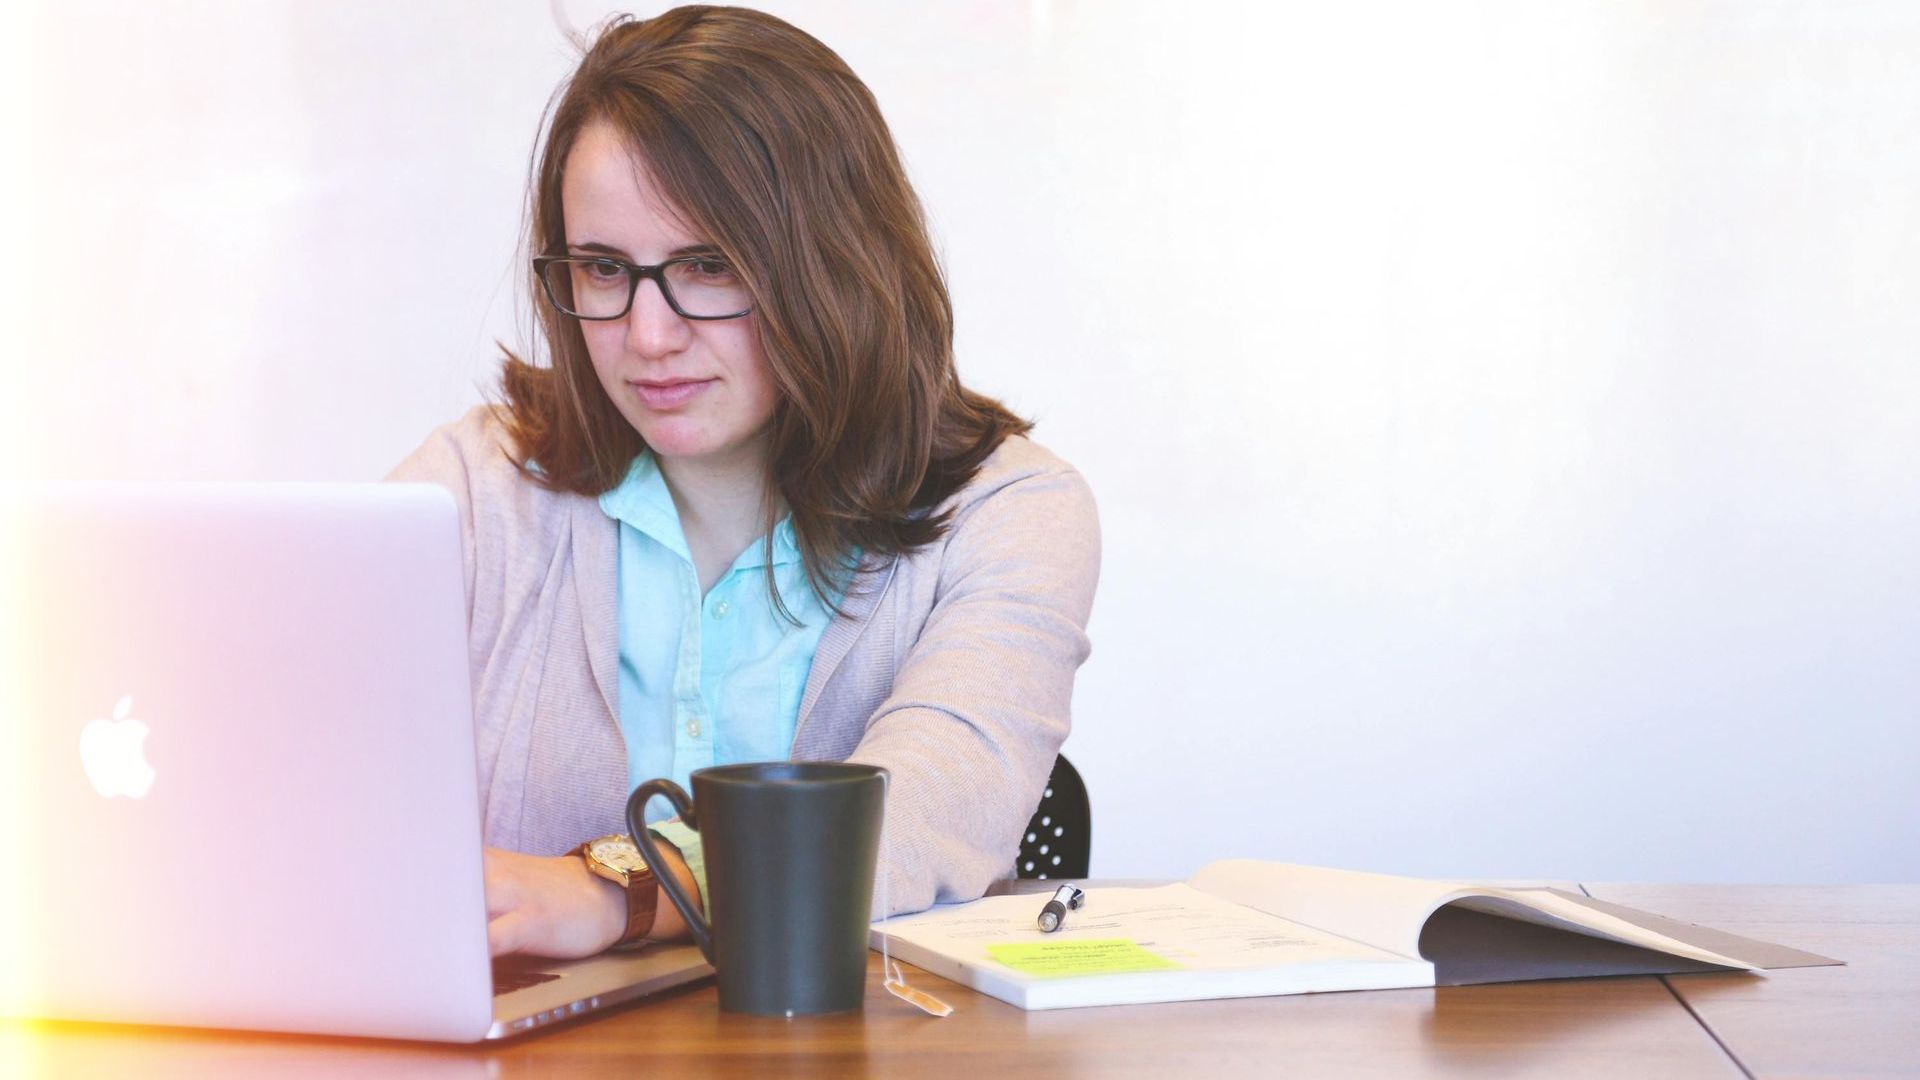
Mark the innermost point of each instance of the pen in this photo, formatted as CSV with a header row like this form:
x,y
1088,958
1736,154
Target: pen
x,y
1066,898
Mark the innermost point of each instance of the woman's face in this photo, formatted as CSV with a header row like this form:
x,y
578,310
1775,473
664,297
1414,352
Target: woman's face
x,y
698,391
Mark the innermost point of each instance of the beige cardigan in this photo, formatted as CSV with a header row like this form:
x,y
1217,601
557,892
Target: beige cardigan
x,y
952,667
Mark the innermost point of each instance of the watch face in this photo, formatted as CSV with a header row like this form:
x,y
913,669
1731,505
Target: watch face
x,y
619,853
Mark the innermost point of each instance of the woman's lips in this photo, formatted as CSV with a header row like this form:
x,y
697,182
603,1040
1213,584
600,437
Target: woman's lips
x,y
669,394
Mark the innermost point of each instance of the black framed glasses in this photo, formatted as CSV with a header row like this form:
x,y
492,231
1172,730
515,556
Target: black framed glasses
x,y
601,287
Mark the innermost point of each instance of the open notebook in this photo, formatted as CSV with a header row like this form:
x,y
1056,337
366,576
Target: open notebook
x,y
1244,928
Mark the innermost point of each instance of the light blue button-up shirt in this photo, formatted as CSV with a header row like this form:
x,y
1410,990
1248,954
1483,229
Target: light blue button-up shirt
x,y
710,680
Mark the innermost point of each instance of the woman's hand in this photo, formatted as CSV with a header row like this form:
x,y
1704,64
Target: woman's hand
x,y
556,907
550,906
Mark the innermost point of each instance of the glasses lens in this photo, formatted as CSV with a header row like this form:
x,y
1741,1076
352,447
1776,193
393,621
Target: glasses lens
x,y
593,289
708,287
587,287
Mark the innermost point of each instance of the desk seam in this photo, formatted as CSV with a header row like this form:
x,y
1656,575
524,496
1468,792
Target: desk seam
x,y
1697,1018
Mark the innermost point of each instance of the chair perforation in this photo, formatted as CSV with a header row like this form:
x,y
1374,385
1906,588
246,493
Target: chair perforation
x,y
1058,837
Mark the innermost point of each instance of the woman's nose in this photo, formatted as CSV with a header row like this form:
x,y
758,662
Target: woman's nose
x,y
653,327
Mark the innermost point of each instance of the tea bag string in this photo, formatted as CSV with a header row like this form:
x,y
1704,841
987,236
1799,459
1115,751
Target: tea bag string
x,y
886,875
892,977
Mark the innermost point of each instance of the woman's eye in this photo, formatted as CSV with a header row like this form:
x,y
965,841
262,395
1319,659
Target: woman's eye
x,y
712,269
605,272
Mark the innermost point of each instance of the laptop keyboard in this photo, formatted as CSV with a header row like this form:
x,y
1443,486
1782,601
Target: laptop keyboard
x,y
510,977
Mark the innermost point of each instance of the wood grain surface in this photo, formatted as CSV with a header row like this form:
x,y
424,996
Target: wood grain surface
x,y
1600,1027
1861,1019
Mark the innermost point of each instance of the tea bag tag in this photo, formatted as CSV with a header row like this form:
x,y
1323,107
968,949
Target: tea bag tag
x,y
897,986
895,979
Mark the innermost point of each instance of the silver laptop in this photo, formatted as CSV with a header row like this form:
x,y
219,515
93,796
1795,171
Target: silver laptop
x,y
237,770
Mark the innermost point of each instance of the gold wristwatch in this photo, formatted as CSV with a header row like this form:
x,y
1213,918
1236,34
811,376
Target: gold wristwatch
x,y
617,859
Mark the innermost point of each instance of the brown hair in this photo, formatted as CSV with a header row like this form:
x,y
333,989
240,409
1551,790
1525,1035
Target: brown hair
x,y
771,147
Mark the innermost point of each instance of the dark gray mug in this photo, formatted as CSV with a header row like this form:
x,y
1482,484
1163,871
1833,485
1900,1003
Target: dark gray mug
x,y
790,849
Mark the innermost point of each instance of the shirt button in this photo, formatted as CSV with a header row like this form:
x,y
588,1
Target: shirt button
x,y
720,609
693,729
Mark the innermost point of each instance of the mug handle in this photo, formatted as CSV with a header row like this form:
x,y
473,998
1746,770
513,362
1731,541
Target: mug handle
x,y
698,926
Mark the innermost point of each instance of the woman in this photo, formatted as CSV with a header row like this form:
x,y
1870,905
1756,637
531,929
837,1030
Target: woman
x,y
748,511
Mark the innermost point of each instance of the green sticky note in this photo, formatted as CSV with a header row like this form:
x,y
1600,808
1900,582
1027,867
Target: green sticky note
x,y
1054,959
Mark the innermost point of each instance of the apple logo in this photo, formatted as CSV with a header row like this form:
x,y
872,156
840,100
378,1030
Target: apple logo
x,y
114,753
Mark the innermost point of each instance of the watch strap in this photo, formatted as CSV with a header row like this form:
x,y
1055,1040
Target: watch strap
x,y
643,903
642,891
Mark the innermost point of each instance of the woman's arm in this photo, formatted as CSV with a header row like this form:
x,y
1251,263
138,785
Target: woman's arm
x,y
980,704
440,459
554,906
542,905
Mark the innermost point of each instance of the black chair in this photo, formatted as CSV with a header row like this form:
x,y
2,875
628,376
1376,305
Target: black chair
x,y
1059,839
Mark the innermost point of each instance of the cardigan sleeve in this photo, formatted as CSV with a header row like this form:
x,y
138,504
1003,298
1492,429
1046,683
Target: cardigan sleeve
x,y
980,702
442,460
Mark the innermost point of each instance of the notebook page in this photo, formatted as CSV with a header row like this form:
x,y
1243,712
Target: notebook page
x,y
1551,909
1176,923
1390,911
1382,910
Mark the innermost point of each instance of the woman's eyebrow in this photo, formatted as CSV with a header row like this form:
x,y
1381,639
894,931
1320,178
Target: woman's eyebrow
x,y
594,247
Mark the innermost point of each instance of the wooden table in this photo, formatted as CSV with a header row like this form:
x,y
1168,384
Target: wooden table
x,y
1826,1021
1863,1018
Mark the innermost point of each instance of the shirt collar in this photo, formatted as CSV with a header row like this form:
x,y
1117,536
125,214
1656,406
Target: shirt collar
x,y
643,501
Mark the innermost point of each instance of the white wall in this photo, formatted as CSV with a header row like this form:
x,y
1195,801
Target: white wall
x,y
1503,417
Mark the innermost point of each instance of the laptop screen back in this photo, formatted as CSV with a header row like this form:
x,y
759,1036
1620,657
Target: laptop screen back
x,y
239,760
